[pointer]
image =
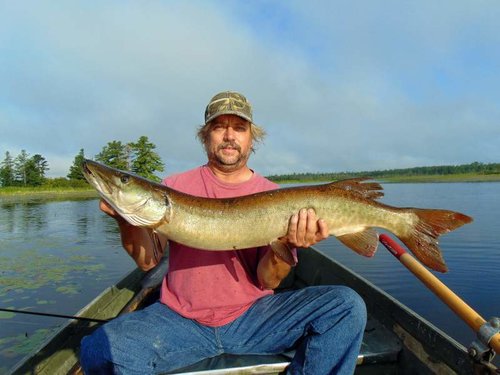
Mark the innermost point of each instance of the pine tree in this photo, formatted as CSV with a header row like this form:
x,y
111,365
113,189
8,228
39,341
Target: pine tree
x,y
114,154
20,168
75,171
145,161
7,177
36,167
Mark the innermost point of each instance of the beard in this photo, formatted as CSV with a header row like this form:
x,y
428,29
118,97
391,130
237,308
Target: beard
x,y
229,161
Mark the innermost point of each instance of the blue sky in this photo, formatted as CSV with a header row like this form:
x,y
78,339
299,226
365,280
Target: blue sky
x,y
338,85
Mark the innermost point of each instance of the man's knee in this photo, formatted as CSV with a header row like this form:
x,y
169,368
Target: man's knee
x,y
353,306
358,308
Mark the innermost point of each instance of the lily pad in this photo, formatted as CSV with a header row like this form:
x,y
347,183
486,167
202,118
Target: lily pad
x,y
23,344
30,270
6,315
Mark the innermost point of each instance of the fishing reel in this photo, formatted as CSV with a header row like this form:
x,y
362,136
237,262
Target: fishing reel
x,y
479,349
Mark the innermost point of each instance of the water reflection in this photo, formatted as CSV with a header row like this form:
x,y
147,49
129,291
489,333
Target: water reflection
x,y
33,216
23,217
82,226
111,228
82,215
7,215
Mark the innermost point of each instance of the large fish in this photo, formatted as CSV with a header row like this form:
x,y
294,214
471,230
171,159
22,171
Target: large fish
x,y
349,207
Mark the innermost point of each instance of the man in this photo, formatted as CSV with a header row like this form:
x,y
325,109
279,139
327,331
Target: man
x,y
223,302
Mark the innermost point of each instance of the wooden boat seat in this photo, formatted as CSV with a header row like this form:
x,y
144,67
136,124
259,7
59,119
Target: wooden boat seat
x,y
380,347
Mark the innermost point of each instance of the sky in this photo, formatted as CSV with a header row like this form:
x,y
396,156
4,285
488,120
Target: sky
x,y
337,85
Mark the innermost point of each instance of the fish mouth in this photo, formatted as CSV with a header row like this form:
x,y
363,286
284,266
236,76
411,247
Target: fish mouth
x,y
89,168
86,169
88,173
99,180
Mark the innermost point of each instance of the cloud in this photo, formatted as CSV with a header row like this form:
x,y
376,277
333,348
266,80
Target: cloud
x,y
338,86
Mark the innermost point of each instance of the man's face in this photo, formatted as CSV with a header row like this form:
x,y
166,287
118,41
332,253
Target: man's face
x,y
230,142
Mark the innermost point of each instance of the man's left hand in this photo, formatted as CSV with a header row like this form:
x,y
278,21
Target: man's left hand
x,y
305,230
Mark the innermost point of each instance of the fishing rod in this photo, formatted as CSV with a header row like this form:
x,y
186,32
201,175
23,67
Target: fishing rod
x,y
488,333
82,318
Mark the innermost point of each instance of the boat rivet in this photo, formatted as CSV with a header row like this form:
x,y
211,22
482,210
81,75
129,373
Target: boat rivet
x,y
495,322
472,352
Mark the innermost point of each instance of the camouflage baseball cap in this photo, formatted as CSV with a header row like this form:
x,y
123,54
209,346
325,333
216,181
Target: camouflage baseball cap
x,y
228,103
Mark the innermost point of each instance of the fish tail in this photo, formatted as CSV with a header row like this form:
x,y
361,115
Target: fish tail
x,y
423,239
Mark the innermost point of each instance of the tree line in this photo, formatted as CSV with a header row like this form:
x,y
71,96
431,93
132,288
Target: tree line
x,y
138,157
23,170
475,167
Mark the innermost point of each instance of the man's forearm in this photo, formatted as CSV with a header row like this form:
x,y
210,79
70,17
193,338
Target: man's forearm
x,y
138,243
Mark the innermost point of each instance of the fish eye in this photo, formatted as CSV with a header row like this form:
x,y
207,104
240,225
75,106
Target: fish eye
x,y
124,178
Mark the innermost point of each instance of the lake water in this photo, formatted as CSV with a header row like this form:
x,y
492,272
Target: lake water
x,y
54,257
57,256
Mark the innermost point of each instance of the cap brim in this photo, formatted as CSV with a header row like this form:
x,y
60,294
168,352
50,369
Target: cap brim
x,y
228,113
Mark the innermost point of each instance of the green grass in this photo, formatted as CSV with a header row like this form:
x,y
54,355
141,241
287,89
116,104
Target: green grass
x,y
8,193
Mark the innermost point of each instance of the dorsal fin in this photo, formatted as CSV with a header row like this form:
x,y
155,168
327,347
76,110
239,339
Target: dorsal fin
x,y
368,190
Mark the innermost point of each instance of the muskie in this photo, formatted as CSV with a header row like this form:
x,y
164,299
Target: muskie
x,y
349,207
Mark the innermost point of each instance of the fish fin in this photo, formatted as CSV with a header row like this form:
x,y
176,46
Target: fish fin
x,y
423,240
282,250
367,190
364,243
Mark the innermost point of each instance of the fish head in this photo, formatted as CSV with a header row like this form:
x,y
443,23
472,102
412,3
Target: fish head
x,y
140,201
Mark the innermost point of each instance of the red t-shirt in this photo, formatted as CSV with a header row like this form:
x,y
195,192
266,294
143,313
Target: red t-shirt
x,y
213,287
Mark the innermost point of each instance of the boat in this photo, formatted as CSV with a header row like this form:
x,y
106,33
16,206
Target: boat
x,y
396,339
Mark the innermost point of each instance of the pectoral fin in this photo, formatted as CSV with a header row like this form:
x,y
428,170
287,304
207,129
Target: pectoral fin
x,y
281,249
364,243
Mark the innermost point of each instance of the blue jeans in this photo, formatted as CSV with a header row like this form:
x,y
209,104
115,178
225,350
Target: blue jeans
x,y
324,323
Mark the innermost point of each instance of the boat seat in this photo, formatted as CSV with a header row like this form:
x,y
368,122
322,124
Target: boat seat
x,y
380,347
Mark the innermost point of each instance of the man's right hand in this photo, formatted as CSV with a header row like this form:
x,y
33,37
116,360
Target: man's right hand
x,y
305,230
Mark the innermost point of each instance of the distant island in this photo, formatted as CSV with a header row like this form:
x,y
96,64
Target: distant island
x,y
473,172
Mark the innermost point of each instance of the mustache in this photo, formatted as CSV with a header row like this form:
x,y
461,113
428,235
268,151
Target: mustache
x,y
229,144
